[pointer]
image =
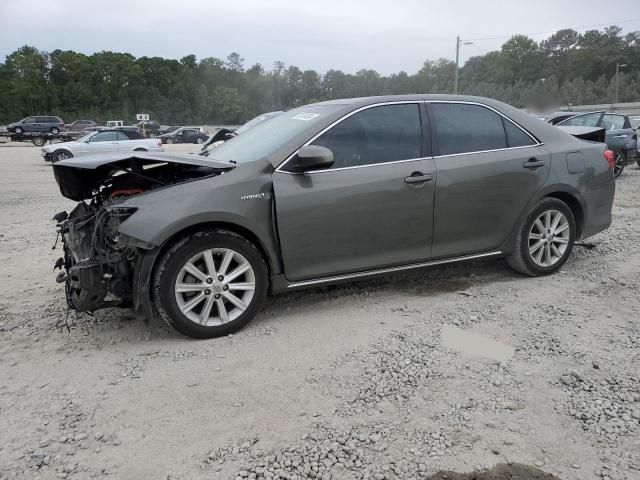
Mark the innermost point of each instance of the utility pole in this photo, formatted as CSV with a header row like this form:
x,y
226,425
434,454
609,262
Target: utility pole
x,y
459,43
618,65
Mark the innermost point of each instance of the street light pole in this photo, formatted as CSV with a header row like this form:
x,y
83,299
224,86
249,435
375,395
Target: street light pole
x,y
618,65
459,43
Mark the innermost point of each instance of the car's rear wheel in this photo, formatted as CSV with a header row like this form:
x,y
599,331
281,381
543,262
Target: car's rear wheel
x,y
55,130
544,240
18,130
619,165
210,284
60,155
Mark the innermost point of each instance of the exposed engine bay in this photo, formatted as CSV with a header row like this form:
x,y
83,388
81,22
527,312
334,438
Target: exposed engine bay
x,y
97,266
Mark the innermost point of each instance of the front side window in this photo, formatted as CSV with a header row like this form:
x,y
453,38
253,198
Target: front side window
x,y
104,137
376,135
462,128
29,120
586,120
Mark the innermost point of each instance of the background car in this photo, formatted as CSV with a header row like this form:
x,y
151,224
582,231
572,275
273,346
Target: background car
x,y
99,142
38,123
169,129
557,117
80,125
185,135
620,136
151,128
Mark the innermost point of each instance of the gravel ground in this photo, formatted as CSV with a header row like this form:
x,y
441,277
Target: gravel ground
x,y
350,382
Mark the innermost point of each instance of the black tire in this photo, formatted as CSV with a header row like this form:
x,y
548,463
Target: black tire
x,y
620,163
38,141
18,130
521,259
170,141
199,140
61,154
174,259
55,130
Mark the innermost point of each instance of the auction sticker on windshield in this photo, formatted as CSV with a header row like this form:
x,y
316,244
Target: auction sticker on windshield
x,y
305,116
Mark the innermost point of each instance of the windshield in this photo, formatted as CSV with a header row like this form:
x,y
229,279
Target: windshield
x,y
86,137
265,138
255,121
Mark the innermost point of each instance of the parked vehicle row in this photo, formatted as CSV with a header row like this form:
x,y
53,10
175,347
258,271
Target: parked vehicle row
x,y
326,193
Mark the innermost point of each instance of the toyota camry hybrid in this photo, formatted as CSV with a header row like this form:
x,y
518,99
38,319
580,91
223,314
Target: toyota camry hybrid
x,y
325,193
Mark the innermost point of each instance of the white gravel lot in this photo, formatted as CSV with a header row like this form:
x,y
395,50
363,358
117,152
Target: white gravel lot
x,y
346,382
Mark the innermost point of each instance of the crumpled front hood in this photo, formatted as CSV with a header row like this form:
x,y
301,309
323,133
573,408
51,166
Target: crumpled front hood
x,y
79,178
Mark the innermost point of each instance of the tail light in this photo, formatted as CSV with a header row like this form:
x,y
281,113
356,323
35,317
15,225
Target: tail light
x,y
611,158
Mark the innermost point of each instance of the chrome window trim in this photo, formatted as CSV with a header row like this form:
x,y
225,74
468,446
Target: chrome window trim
x,y
381,271
404,102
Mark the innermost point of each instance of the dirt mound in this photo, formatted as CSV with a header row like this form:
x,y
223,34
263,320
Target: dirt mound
x,y
499,472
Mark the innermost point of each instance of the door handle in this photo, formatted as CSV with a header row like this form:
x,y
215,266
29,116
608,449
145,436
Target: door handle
x,y
533,163
418,177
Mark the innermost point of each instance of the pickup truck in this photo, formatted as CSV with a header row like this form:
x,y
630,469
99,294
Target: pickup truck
x,y
103,141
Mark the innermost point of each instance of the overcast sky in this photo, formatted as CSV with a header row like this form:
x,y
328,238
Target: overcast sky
x,y
385,35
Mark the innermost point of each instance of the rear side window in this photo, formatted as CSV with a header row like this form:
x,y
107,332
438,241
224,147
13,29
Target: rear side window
x,y
515,136
462,128
586,120
613,122
41,120
376,135
122,136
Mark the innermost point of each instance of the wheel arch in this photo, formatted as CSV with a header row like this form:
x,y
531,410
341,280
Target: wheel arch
x,y
220,225
140,149
576,208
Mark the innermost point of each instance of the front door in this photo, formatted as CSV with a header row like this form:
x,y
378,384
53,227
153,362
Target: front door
x,y
488,170
103,142
373,208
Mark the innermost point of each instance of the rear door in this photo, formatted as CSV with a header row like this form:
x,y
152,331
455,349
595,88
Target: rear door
x,y
124,143
488,170
373,208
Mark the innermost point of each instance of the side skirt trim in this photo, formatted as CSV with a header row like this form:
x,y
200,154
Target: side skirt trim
x,y
381,271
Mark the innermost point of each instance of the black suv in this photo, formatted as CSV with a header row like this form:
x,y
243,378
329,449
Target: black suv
x,y
37,124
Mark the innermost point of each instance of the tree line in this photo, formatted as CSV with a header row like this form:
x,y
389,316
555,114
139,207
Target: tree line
x,y
568,68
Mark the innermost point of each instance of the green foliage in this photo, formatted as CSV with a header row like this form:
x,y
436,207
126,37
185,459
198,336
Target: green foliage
x,y
567,68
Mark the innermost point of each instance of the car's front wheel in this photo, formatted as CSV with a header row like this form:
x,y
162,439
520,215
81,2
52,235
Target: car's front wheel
x,y
210,284
544,240
59,155
18,130
199,140
170,141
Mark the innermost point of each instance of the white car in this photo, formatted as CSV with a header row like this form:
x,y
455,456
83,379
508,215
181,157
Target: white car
x,y
103,141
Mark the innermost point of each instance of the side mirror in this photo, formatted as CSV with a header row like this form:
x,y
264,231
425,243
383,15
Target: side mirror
x,y
312,157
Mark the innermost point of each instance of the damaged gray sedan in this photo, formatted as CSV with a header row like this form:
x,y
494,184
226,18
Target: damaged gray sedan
x,y
322,194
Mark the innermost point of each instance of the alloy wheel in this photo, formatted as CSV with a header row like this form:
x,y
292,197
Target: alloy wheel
x,y
62,156
215,286
619,164
549,238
